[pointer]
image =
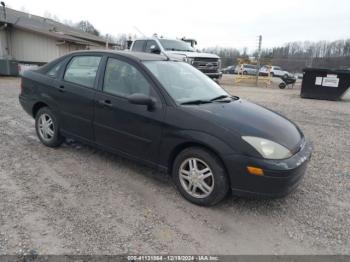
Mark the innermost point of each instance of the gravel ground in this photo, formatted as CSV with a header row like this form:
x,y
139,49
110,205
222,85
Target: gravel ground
x,y
79,200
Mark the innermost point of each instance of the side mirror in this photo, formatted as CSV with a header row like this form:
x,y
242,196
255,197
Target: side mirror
x,y
141,99
155,49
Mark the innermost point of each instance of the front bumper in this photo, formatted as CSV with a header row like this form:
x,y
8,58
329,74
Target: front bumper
x,y
214,75
280,176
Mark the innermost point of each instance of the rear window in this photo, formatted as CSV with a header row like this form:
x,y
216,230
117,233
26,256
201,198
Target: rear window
x,y
138,45
82,70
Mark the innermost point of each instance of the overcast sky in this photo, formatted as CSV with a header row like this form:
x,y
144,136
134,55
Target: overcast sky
x,y
225,23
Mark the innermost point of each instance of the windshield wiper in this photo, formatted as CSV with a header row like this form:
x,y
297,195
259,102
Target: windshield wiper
x,y
219,98
196,102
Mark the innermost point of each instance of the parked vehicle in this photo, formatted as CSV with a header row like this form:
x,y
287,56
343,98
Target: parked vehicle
x,y
209,64
229,70
169,115
299,75
246,69
274,71
287,81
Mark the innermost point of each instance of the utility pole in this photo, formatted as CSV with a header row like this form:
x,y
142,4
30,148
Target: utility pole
x,y
258,60
107,41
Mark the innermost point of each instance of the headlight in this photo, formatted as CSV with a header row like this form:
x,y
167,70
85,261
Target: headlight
x,y
188,60
267,148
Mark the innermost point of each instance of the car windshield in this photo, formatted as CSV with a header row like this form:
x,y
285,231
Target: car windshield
x,y
184,83
176,45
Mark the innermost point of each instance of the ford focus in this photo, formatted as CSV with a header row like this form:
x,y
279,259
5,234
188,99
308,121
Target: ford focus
x,y
168,115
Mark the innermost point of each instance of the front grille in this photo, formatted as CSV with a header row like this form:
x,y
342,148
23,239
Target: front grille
x,y
206,63
205,59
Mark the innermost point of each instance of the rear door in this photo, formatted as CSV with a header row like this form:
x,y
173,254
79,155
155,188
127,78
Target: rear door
x,y
76,98
121,126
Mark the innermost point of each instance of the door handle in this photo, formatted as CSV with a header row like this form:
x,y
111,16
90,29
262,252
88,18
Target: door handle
x,y
107,103
61,89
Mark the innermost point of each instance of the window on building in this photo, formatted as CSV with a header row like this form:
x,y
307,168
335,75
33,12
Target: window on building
x,y
123,79
82,70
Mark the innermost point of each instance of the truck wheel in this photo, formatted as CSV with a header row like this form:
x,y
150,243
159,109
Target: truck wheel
x,y
200,176
245,73
47,128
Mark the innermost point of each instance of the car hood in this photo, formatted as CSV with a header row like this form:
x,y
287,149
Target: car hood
x,y
248,119
191,54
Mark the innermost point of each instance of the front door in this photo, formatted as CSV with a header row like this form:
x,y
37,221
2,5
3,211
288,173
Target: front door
x,y
120,125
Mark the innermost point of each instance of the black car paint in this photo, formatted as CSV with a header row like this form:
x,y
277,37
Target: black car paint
x,y
154,137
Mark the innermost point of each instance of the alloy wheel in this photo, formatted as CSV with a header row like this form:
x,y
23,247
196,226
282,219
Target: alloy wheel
x,y
196,177
46,127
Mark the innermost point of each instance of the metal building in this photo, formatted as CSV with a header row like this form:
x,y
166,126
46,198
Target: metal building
x,y
31,39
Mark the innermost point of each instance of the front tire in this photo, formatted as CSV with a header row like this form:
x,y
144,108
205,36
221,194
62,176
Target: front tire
x,y
200,176
47,128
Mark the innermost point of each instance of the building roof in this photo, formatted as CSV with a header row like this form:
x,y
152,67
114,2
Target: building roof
x,y
49,27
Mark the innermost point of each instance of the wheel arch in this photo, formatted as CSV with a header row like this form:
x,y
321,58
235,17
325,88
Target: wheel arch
x,y
37,106
181,147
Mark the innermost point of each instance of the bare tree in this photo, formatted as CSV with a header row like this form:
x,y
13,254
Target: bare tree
x,y
87,27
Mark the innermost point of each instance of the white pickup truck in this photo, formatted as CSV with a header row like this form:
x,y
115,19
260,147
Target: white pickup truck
x,y
209,64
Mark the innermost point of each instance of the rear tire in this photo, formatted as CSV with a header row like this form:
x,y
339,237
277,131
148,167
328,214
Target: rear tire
x,y
206,183
47,128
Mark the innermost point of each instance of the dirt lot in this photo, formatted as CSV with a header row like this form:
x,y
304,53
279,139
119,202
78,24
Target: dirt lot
x,y
79,200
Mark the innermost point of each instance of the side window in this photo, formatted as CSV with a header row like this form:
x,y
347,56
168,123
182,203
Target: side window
x,y
123,79
54,70
82,70
138,45
149,44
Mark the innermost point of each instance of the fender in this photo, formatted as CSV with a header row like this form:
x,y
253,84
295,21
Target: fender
x,y
174,142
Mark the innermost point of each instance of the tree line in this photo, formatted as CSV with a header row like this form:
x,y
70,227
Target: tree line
x,y
293,56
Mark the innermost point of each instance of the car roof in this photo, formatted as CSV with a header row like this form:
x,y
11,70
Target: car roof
x,y
138,56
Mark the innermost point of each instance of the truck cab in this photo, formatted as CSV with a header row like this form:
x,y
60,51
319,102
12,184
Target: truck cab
x,y
209,64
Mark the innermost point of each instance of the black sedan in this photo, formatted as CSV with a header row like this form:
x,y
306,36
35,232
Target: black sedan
x,y
168,115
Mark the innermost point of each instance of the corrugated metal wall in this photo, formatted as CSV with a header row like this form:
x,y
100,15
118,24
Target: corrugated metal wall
x,y
32,47
26,46
2,44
